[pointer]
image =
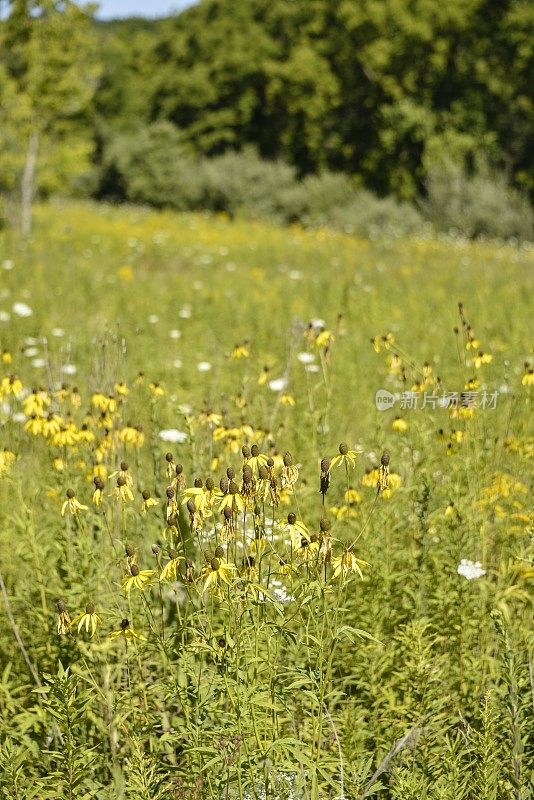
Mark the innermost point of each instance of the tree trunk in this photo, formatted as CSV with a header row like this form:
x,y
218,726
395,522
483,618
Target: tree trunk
x,y
28,187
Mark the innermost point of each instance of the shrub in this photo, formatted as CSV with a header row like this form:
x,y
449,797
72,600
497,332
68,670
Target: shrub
x,y
483,204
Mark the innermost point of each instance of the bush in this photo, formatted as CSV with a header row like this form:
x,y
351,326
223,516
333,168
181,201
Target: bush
x,y
483,204
151,166
243,183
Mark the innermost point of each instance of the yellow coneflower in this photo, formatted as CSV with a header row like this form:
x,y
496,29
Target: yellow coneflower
x,y
71,504
290,472
88,618
217,573
85,435
138,578
383,473
241,350
121,389
297,530
51,424
346,563
345,456
34,425
231,498
7,358
98,494
122,491
528,377
172,505
11,384
35,403
324,339
287,400
99,400
63,620
127,632
169,571
156,389
148,502
123,472
472,384
399,425
382,341
482,358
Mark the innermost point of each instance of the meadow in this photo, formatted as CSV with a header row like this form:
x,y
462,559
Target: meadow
x,y
225,572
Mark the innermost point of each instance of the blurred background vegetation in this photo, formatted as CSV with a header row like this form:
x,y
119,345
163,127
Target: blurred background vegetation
x,y
395,113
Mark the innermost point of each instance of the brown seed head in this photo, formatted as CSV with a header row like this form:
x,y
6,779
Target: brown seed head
x,y
291,518
134,570
343,448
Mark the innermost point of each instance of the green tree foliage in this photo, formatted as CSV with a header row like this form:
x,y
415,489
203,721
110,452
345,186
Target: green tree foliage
x,y
381,89
48,76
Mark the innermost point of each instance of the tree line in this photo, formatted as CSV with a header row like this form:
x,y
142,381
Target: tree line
x,y
380,90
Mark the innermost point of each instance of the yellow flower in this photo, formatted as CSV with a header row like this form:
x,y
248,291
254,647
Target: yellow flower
x,y
148,502
34,425
35,403
450,511
297,530
88,618
528,377
99,400
399,425
346,563
58,464
241,351
6,460
324,338
125,273
127,632
216,574
382,341
63,620
121,389
156,389
6,357
345,456
11,385
352,496
138,578
287,400
482,358
71,504
472,384
122,491
52,424
168,573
